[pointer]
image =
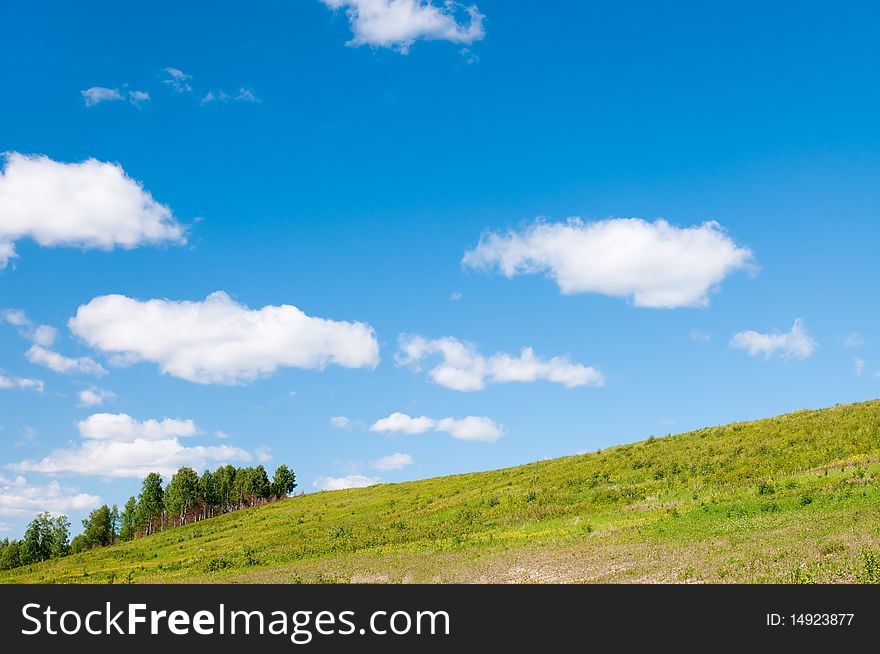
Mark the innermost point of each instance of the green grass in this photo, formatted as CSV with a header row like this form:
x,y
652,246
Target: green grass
x,y
788,499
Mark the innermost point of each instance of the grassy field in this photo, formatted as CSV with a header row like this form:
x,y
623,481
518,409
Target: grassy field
x,y
788,499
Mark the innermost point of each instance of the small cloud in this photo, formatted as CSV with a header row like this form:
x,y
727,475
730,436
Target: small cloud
x,y
853,339
469,57
463,368
263,454
243,95
793,344
177,80
858,366
396,461
397,24
136,97
44,335
97,94
455,297
211,96
699,336
246,95
65,365
340,483
21,382
93,397
222,435
15,317
470,428
340,422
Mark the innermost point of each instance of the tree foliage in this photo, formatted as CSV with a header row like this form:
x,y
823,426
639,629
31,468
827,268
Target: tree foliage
x,y
188,497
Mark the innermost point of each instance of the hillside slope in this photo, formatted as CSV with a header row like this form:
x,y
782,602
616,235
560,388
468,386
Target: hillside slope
x,y
791,498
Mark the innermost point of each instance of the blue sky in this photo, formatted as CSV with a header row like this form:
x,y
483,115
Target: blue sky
x,y
343,159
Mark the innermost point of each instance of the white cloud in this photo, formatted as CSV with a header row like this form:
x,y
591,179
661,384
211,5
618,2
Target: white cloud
x,y
656,264
793,344
396,461
92,397
98,94
18,497
853,339
21,382
117,445
399,23
455,296
471,428
246,95
340,422
15,317
65,365
858,366
462,368
699,336
177,80
211,96
401,422
123,428
341,483
137,97
91,204
219,341
44,335
243,94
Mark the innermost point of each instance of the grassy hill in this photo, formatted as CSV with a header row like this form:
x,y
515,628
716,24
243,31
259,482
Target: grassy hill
x,y
788,499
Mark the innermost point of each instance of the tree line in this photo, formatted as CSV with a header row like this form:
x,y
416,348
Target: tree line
x,y
188,497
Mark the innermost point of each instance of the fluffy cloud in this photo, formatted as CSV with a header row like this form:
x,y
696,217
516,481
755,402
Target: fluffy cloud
x,y
853,339
90,204
399,23
396,461
122,427
401,422
219,341
793,344
462,368
65,365
656,264
15,317
18,497
341,483
116,445
21,382
92,397
340,422
98,94
471,428
44,335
